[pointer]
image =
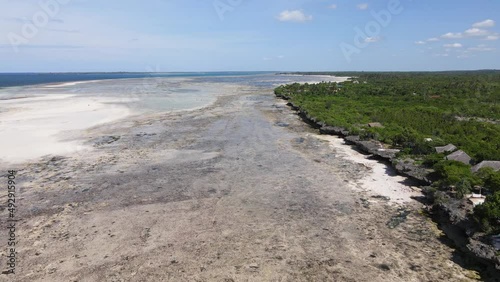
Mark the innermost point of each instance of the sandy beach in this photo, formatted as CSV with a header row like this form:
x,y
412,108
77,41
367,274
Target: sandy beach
x,y
34,125
48,122
382,180
239,190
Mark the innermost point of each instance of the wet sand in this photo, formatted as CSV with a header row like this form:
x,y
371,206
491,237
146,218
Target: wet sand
x,y
31,126
241,190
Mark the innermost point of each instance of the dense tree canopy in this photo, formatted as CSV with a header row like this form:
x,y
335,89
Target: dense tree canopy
x,y
462,108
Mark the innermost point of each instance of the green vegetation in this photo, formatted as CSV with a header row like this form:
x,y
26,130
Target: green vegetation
x,y
419,111
489,178
452,173
459,108
488,214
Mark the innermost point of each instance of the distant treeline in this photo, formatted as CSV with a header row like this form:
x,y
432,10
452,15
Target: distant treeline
x,y
396,73
462,108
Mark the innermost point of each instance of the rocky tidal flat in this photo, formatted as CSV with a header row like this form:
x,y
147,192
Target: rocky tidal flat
x,y
241,190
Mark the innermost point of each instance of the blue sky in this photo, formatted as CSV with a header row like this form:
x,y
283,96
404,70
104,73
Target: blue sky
x,y
246,35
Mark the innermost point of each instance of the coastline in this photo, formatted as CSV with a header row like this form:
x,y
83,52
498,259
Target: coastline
x,y
240,189
34,124
382,179
224,192
455,225
55,124
50,123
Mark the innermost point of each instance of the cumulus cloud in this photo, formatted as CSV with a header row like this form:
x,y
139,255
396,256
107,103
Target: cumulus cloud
x,y
481,48
451,35
362,6
471,32
492,37
280,57
294,16
476,32
484,24
454,45
372,39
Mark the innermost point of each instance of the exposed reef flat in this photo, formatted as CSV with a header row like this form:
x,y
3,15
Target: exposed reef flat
x,y
241,190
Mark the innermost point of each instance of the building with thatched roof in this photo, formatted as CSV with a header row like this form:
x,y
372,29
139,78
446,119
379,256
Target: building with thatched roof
x,y
446,149
495,165
459,156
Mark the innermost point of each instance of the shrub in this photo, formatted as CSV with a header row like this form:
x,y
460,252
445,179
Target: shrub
x,y
453,172
490,178
488,214
440,198
464,187
432,159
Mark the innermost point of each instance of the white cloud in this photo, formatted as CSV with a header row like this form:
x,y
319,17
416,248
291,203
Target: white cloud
x,y
294,16
492,37
451,35
433,39
420,42
372,39
362,6
476,32
484,24
333,6
454,45
481,48
272,58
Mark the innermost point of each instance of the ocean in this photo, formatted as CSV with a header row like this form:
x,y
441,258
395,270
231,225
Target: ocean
x,y
43,111
141,92
22,79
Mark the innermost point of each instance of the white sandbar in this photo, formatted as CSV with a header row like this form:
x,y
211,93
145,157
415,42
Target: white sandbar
x,y
30,127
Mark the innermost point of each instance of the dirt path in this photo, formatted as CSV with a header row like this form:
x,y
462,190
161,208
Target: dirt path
x,y
240,191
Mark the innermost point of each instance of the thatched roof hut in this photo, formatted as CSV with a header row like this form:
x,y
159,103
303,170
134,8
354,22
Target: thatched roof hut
x,y
446,149
459,156
495,165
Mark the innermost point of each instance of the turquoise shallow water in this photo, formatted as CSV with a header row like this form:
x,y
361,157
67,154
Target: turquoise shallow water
x,y
41,114
148,93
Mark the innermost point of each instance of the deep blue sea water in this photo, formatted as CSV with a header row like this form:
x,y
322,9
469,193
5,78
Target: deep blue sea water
x,y
22,79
